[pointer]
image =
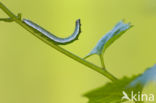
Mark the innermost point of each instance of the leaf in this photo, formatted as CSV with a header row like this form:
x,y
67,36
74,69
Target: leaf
x,y
119,29
147,77
114,92
111,92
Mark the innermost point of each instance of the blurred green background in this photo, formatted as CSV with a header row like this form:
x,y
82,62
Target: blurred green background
x,y
33,72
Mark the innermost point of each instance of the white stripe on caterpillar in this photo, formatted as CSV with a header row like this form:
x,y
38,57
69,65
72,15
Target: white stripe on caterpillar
x,y
54,38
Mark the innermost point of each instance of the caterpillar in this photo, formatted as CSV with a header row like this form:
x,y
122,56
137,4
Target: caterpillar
x,y
51,36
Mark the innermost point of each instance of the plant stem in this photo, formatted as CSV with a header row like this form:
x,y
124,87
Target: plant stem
x,y
52,44
102,61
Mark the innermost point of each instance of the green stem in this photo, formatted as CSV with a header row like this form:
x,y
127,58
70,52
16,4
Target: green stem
x,y
60,49
102,61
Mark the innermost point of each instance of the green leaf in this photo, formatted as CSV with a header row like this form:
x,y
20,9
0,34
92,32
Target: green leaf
x,y
119,29
111,92
114,92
